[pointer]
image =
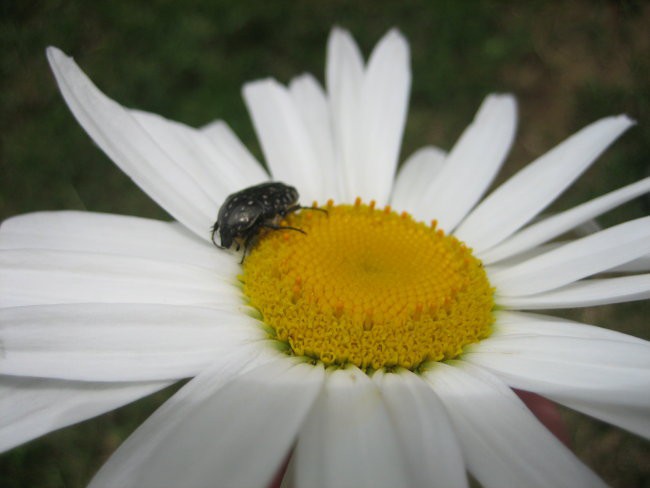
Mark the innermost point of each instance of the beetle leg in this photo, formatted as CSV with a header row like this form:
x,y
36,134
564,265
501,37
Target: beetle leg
x,y
316,208
280,227
247,244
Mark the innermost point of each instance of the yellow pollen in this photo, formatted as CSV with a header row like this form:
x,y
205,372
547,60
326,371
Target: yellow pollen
x,y
368,286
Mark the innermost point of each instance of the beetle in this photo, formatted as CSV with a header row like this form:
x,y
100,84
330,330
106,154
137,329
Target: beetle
x,y
244,213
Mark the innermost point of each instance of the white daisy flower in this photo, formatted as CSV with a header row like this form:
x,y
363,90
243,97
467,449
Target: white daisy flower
x,y
379,348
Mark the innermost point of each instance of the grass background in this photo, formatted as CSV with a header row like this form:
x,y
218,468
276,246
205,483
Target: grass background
x,y
567,62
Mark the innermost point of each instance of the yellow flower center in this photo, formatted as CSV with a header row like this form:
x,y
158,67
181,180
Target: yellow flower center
x,y
369,287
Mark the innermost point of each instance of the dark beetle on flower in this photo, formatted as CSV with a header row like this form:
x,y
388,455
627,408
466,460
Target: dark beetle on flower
x,y
244,213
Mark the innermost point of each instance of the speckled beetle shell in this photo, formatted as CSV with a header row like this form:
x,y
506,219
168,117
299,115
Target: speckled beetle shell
x,y
244,213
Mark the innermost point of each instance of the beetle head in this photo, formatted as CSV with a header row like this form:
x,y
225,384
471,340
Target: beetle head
x,y
226,239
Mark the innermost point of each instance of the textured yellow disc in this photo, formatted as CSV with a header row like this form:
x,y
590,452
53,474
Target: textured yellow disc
x,y
368,287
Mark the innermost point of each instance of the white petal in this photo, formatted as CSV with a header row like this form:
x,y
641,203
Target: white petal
x,y
524,256
344,79
503,443
145,440
584,294
635,266
284,137
528,192
578,259
592,371
208,153
312,105
417,172
423,428
89,232
35,277
235,436
31,407
348,439
384,103
533,324
558,224
246,170
632,418
187,193
472,164
117,342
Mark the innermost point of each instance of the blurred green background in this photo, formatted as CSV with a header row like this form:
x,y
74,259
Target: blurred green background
x,y
567,62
